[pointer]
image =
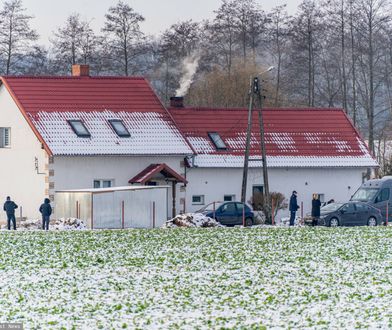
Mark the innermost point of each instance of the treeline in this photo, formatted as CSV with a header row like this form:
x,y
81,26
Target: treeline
x,y
330,53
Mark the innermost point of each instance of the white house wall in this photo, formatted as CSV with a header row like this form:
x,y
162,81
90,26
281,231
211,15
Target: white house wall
x,y
18,176
79,172
214,183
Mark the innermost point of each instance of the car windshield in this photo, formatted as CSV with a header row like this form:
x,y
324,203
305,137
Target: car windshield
x,y
209,207
329,208
365,194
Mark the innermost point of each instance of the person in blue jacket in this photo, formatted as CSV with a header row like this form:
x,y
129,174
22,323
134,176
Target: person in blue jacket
x,y
46,211
9,208
293,207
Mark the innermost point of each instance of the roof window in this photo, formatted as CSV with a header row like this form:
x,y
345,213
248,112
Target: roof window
x,y
119,128
217,140
79,128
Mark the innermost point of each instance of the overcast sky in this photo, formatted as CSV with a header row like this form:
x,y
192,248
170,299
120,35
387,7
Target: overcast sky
x,y
159,14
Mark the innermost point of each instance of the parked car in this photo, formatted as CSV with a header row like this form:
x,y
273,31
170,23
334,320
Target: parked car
x,y
350,214
376,192
229,213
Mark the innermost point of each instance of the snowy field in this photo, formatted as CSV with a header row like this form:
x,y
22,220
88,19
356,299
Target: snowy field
x,y
198,278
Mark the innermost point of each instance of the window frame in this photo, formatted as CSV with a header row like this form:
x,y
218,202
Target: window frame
x,y
216,134
202,199
101,183
3,143
112,123
78,134
232,196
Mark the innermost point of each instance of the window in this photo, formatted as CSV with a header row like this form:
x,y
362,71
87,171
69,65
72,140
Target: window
x,y
79,128
257,190
198,199
119,128
229,208
229,198
217,140
103,183
5,137
348,208
383,195
240,207
361,208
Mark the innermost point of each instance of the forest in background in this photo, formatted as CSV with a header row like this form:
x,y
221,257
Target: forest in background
x,y
329,53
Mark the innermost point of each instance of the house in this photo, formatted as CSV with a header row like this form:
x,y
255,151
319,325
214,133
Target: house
x,y
74,132
308,150
84,132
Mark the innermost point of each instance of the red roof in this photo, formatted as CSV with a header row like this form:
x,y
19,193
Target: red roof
x,y
83,93
152,170
299,133
48,102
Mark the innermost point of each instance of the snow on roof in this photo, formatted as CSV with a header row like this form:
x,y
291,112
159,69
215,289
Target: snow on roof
x,y
294,137
48,102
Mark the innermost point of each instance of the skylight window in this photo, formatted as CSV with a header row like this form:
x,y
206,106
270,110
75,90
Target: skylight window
x,y
79,128
119,128
217,140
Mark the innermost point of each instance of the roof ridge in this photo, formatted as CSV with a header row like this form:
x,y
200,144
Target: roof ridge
x,y
246,109
74,77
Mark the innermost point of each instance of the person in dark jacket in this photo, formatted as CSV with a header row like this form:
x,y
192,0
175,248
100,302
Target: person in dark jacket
x,y
293,207
9,208
46,211
316,205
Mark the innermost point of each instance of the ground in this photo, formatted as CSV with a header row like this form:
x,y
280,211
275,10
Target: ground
x,y
198,278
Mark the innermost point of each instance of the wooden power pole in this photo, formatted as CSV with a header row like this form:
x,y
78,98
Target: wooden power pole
x,y
255,90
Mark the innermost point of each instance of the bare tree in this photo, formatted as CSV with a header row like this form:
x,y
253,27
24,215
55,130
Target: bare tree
x,y
16,35
277,42
127,41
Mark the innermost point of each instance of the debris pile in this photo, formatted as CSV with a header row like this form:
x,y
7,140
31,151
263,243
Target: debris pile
x,y
60,224
68,224
191,220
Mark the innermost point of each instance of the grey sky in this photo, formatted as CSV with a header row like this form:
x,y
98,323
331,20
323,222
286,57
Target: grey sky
x,y
159,14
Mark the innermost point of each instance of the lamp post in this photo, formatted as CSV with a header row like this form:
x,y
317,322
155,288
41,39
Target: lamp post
x,y
255,89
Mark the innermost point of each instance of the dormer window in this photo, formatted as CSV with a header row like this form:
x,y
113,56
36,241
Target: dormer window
x,y
217,140
119,128
79,128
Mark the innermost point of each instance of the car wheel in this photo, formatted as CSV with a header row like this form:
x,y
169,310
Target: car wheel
x,y
248,222
334,222
372,222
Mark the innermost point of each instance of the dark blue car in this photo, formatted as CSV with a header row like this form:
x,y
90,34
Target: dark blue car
x,y
229,213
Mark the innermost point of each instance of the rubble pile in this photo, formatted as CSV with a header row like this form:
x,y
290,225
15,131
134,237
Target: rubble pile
x,y
188,220
60,224
68,224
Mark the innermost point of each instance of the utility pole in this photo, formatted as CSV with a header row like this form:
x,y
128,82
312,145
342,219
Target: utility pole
x,y
264,159
255,89
247,145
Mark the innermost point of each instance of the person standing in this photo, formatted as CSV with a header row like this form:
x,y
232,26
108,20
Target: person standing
x,y
293,207
316,205
46,211
9,208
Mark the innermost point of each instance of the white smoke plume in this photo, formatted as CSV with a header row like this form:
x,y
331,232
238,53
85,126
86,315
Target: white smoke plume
x,y
189,67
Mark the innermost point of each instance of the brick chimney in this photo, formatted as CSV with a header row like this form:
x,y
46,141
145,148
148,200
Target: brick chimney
x,y
80,70
176,102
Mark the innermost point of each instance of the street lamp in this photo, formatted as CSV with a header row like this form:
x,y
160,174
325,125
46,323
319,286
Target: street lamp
x,y
255,89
